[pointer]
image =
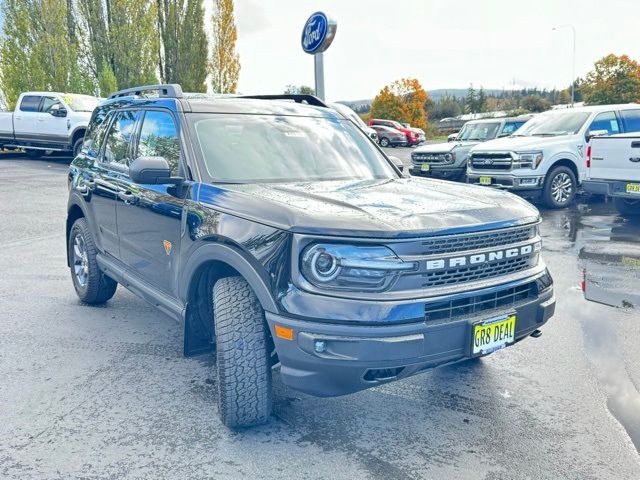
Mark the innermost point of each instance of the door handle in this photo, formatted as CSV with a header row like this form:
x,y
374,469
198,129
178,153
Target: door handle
x,y
127,197
635,159
635,144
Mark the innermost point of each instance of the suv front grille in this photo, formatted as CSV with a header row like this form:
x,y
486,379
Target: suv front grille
x,y
491,161
459,243
420,158
442,312
453,276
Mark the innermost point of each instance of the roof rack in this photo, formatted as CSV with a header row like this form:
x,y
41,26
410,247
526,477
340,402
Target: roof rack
x,y
298,98
170,90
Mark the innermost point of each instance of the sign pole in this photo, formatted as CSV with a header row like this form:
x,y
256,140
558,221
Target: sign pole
x,y
318,59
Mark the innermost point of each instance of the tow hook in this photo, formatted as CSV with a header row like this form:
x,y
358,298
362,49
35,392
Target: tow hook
x,y
536,333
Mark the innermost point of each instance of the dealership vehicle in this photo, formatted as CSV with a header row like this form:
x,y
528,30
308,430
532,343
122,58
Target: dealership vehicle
x,y
390,137
613,167
47,121
413,137
449,160
355,118
547,156
280,235
421,135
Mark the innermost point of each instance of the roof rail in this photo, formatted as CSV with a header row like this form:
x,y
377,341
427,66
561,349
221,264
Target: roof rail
x,y
170,90
298,98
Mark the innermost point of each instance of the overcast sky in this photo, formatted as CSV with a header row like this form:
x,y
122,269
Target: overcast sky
x,y
445,44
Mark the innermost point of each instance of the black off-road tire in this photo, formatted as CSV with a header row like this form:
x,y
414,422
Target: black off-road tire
x,y
98,287
384,142
627,207
77,147
242,351
562,175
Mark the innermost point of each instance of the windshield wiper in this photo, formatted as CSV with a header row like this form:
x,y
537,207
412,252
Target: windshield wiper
x,y
545,134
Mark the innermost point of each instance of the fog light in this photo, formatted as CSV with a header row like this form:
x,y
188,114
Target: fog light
x,y
528,181
319,346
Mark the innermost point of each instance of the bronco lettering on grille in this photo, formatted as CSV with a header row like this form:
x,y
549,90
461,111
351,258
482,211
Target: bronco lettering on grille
x,y
478,258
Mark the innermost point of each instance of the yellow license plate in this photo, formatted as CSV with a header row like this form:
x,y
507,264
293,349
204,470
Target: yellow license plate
x,y
485,180
494,334
425,167
633,188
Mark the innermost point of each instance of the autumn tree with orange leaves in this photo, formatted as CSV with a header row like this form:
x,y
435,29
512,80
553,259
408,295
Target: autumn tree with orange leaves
x,y
402,101
225,63
614,79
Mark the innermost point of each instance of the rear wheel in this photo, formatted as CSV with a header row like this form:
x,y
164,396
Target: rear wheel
x,y
559,188
242,354
384,142
627,207
91,284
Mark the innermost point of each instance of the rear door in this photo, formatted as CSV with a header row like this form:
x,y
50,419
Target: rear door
x,y
25,119
150,216
616,158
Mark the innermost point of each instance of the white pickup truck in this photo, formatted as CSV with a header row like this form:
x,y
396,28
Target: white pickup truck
x,y
546,156
47,121
613,169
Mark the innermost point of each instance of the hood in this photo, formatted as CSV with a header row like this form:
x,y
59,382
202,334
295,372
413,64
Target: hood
x,y
393,208
522,143
443,147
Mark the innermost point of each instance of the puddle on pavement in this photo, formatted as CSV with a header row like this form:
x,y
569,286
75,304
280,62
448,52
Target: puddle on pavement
x,y
607,249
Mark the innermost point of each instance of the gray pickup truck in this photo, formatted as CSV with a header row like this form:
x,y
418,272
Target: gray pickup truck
x,y
449,160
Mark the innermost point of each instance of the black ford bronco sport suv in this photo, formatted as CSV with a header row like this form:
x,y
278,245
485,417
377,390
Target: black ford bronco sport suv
x,y
279,234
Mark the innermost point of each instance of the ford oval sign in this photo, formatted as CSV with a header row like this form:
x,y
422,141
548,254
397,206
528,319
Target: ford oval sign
x,y
318,33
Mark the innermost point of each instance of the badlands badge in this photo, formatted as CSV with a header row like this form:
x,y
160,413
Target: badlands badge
x,y
167,246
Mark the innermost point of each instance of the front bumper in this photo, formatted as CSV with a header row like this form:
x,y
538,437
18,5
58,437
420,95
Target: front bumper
x,y
357,357
447,173
519,183
611,188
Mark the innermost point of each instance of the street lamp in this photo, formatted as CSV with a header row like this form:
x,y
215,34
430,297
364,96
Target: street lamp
x,y
573,64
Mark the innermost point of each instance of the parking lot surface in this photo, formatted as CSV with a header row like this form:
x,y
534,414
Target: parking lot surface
x,y
105,392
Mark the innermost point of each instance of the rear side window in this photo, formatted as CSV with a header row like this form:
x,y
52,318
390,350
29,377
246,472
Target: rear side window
x,y
605,121
159,138
95,133
118,140
631,120
30,103
510,127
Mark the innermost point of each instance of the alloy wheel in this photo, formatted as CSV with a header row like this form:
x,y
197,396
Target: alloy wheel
x,y
80,260
561,188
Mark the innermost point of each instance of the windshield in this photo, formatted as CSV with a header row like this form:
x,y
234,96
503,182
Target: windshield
x,y
551,125
81,103
270,148
478,131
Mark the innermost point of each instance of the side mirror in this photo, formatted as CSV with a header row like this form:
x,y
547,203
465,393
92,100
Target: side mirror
x,y
596,133
152,171
397,162
452,137
58,111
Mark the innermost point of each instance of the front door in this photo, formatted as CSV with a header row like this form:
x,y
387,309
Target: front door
x,y
53,129
150,216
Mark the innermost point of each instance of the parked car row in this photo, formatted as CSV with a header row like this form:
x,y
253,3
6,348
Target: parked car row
x,y
413,136
545,158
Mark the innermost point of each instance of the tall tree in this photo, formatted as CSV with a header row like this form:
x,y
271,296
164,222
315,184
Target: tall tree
x,y
121,41
613,80
38,49
225,63
403,101
471,100
183,48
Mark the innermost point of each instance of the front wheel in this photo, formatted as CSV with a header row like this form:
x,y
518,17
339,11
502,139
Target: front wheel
x,y
242,354
91,284
77,147
384,142
627,207
559,188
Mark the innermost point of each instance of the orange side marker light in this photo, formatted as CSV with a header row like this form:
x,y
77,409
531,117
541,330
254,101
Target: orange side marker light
x,y
284,333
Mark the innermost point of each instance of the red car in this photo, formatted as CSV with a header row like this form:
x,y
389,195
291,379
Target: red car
x,y
413,138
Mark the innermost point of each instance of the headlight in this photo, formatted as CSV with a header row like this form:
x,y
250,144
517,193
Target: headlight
x,y
529,159
350,267
450,157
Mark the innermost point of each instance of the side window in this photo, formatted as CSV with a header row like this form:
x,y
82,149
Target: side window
x,y
48,103
95,132
159,138
30,103
605,121
510,127
631,120
119,138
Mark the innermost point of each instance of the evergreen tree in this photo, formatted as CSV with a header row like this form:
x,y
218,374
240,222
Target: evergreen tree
x,y
470,102
183,55
225,63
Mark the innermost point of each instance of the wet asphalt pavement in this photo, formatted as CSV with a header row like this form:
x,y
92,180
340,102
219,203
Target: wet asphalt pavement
x,y
91,392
